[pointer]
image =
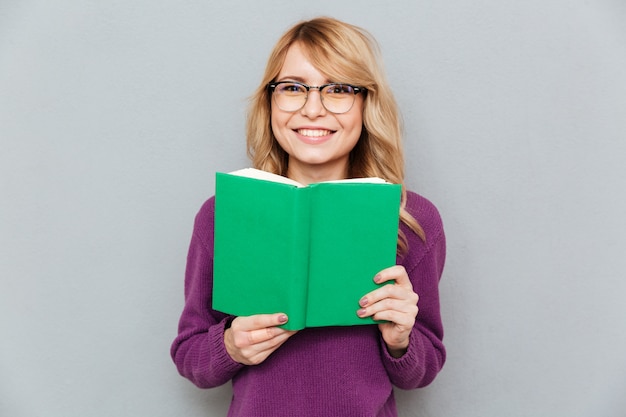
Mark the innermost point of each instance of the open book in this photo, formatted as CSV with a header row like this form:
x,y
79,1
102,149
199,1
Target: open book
x,y
310,252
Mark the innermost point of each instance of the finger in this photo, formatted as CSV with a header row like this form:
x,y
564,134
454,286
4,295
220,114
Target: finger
x,y
255,354
259,321
266,345
395,273
254,337
389,305
402,322
395,292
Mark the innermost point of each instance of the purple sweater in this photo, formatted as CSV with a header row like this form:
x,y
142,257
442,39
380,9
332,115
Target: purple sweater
x,y
330,371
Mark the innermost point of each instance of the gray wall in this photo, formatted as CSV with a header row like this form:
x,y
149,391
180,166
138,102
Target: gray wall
x,y
115,115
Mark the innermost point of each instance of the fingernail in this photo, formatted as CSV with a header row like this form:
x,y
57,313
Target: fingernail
x,y
360,312
377,278
282,318
363,302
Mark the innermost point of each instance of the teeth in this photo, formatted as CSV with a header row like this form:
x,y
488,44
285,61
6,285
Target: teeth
x,y
314,133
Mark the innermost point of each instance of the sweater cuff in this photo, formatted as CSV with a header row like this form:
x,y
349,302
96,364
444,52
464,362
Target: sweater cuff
x,y
404,372
404,361
222,362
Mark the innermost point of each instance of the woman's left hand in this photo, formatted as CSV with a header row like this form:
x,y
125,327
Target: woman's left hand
x,y
396,304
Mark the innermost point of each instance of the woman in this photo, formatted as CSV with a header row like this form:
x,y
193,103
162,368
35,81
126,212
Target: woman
x,y
323,111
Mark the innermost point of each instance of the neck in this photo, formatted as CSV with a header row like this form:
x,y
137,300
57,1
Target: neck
x,y
312,174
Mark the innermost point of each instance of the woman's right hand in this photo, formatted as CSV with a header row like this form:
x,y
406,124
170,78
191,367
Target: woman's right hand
x,y
250,340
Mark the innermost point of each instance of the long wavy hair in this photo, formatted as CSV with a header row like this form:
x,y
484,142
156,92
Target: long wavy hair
x,y
342,52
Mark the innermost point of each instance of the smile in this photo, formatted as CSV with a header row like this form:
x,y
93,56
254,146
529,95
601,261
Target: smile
x,y
314,133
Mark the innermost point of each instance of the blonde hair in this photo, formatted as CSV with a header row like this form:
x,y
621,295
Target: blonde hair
x,y
342,52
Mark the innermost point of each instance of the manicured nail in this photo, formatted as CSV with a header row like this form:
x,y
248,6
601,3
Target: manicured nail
x,y
377,278
282,318
363,302
360,312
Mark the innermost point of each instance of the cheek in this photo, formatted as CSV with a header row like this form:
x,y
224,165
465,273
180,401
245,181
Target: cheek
x,y
355,120
275,123
278,125
356,135
278,121
355,127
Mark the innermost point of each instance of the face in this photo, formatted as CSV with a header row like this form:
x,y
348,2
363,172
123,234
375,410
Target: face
x,y
318,142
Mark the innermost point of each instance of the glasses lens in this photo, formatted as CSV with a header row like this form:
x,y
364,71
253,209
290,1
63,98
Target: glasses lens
x,y
290,96
338,98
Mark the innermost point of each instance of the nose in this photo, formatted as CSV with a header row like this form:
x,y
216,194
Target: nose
x,y
313,107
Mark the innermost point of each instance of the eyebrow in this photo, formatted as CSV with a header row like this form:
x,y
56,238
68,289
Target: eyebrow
x,y
298,79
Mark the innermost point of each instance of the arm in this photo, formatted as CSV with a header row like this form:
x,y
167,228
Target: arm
x,y
425,353
412,348
212,347
199,351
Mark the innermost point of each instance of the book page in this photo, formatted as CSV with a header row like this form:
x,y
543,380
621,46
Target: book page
x,y
264,175
268,176
368,180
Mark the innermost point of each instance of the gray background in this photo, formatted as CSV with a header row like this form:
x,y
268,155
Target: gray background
x,y
114,116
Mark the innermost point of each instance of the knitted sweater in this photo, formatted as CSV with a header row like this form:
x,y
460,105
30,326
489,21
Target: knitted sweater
x,y
330,371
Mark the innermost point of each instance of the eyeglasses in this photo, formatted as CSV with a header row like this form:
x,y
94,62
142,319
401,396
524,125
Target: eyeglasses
x,y
291,96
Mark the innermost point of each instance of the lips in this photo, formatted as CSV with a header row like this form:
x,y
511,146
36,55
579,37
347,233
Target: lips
x,y
314,133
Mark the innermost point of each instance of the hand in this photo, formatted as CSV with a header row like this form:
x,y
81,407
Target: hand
x,y
396,304
250,340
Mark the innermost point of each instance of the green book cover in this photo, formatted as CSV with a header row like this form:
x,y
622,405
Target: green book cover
x,y
308,251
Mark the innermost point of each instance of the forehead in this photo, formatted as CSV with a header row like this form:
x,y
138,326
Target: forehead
x,y
298,67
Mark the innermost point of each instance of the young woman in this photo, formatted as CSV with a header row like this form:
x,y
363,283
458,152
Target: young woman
x,y
323,111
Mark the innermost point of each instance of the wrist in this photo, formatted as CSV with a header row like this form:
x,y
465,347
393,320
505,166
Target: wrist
x,y
397,350
396,353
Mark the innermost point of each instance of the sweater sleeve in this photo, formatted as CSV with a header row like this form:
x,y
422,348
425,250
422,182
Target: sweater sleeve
x,y
424,264
199,351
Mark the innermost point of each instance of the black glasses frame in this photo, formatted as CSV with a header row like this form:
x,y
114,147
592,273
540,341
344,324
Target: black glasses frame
x,y
355,89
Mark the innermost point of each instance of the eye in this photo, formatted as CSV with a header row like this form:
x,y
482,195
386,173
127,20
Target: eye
x,y
290,88
339,89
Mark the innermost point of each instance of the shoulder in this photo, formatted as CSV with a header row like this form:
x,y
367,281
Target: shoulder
x,y
426,214
207,209
204,221
429,219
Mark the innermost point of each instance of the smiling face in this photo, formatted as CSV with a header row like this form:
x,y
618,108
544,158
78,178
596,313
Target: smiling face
x,y
317,141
